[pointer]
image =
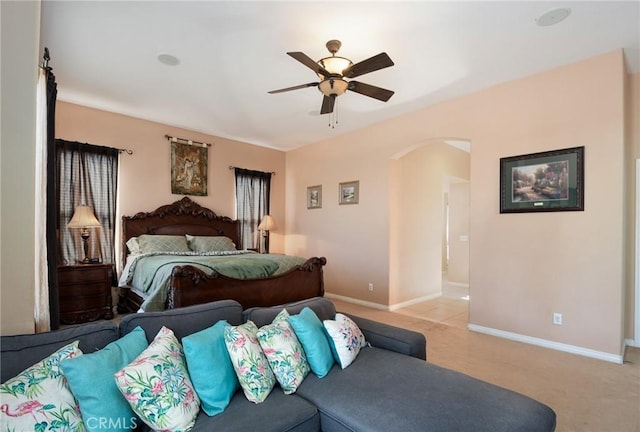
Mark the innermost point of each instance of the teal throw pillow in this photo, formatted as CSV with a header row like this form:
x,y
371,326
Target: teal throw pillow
x,y
210,368
311,334
90,378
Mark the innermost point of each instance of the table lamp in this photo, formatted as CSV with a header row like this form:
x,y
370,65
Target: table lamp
x,y
84,219
266,224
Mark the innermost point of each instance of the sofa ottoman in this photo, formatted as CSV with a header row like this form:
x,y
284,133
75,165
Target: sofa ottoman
x,y
386,391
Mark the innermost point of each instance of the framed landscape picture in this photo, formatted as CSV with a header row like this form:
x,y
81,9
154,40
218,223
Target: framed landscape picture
x,y
314,197
543,182
349,192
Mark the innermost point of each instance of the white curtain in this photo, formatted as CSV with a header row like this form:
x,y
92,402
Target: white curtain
x,y
41,286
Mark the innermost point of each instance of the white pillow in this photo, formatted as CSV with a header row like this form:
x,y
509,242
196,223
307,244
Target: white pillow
x,y
345,339
134,246
157,386
39,398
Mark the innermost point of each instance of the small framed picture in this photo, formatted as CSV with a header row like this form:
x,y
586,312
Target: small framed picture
x,y
543,182
349,192
314,197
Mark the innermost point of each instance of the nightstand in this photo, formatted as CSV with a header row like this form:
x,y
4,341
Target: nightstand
x,y
84,291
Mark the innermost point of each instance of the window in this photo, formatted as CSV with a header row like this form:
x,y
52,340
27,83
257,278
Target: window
x,y
86,175
253,189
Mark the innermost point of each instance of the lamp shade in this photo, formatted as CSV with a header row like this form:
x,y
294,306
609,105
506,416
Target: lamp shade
x,y
83,217
267,223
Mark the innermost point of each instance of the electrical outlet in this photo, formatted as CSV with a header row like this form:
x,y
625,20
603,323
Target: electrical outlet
x,y
370,286
557,318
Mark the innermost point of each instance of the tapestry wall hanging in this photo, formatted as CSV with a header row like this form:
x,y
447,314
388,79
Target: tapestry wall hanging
x,y
189,167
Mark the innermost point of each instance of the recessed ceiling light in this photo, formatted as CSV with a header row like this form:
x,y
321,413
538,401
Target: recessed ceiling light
x,y
168,59
552,16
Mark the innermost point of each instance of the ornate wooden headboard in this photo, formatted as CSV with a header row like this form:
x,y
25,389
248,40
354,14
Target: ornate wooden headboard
x,y
180,218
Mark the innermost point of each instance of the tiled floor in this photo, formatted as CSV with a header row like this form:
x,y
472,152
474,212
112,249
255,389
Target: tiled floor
x,y
452,308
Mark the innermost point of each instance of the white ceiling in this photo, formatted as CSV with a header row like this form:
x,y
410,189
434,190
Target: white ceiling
x,y
104,55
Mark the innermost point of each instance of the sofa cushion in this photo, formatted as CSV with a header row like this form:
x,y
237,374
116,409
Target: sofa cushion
x,y
409,395
21,351
39,397
278,413
310,332
210,368
157,385
322,307
248,360
90,377
284,352
184,321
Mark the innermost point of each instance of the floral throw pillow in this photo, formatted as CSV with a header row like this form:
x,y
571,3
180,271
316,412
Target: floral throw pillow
x,y
249,362
157,386
284,352
39,399
345,339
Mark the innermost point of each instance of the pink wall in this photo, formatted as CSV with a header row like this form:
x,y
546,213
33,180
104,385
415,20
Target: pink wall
x,y
633,219
145,177
523,267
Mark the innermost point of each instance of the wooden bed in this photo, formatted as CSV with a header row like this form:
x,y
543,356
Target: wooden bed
x,y
190,286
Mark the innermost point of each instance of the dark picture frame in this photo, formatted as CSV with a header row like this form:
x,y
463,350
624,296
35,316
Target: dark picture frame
x,y
543,182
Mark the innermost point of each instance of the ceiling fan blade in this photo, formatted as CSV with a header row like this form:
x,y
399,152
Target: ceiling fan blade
x,y
371,91
313,84
374,63
327,104
308,62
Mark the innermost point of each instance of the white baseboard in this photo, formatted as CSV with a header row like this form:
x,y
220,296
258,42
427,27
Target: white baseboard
x,y
357,301
632,343
414,301
379,306
548,344
458,284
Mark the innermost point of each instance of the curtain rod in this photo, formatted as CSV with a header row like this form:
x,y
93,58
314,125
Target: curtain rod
x,y
127,151
187,141
45,60
231,167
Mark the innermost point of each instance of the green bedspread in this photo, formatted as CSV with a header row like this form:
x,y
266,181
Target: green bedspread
x,y
150,274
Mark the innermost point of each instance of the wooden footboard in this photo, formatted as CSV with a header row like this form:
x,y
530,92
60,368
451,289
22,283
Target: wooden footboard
x,y
190,286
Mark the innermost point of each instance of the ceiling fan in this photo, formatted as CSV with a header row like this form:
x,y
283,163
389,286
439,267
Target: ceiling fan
x,y
332,72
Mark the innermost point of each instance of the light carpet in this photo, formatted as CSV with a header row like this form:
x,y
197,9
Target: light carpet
x,y
588,395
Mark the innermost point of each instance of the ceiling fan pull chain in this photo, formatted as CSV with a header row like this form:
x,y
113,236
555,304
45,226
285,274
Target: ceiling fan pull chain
x,y
333,117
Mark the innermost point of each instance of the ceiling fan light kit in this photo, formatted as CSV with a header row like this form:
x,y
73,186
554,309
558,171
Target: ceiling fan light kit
x,y
332,72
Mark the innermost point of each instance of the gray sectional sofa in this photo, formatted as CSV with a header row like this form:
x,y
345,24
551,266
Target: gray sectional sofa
x,y
389,387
